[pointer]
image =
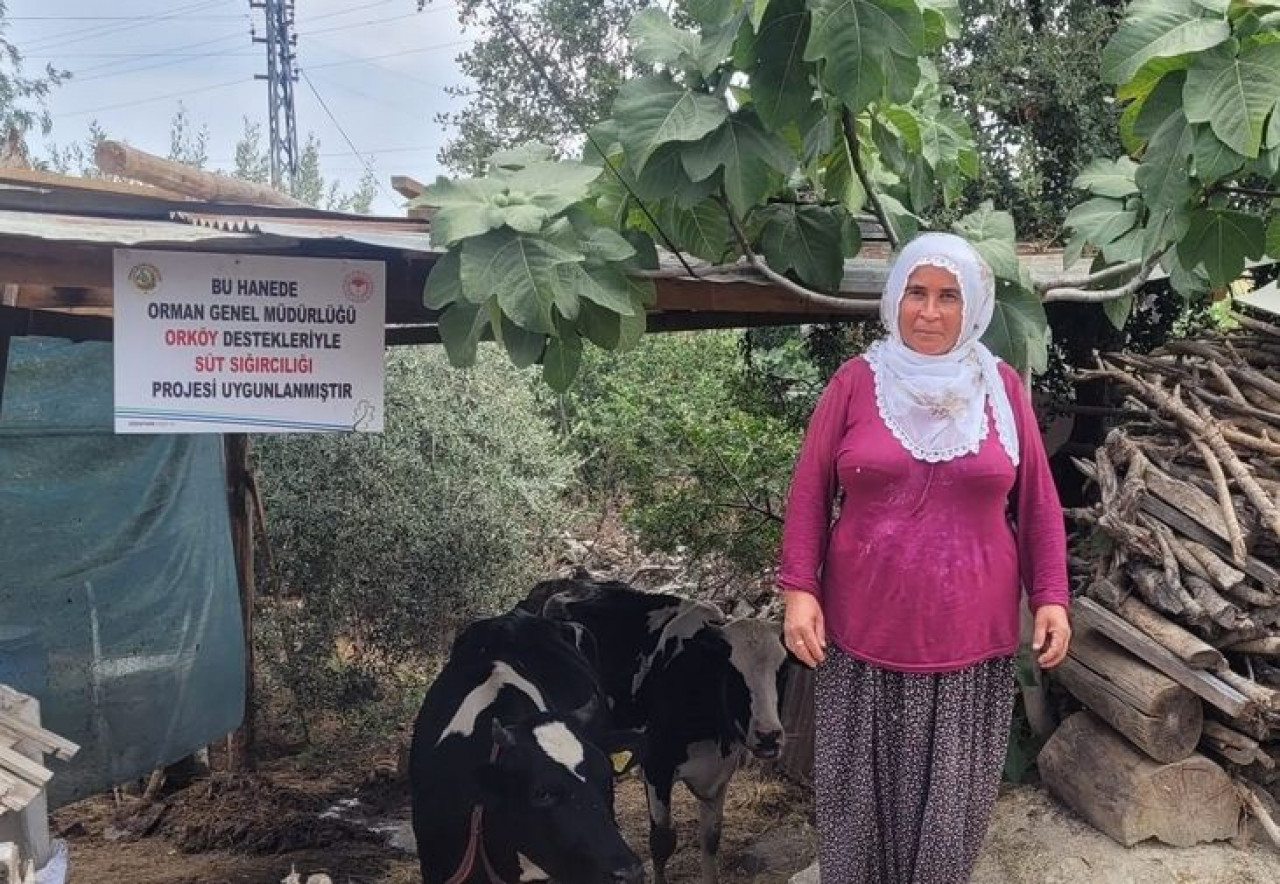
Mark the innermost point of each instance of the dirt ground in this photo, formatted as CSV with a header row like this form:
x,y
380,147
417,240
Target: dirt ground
x,y
237,831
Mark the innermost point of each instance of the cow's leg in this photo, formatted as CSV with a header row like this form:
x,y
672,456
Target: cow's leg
x,y
662,834
710,819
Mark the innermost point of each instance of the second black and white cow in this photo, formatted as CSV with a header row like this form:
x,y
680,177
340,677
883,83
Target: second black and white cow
x,y
704,690
508,766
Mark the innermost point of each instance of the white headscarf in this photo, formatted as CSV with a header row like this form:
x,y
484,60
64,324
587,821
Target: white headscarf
x,y
936,405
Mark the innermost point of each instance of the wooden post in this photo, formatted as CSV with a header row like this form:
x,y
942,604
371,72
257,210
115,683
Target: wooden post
x,y
1131,798
239,473
1156,713
8,297
796,760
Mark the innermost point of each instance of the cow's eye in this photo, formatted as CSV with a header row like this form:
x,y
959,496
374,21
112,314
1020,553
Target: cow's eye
x,y
544,798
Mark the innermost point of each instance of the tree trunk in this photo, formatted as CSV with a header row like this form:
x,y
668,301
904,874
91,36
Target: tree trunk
x,y
1131,798
1156,713
115,158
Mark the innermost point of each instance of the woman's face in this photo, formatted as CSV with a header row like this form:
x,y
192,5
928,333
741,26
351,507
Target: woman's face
x,y
931,311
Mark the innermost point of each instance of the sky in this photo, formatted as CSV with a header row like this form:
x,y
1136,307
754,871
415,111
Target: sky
x,y
374,72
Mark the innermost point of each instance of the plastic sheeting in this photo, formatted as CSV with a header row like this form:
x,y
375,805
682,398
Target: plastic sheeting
x,y
119,606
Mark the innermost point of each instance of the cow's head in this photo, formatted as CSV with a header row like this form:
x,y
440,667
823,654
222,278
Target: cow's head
x,y
756,658
549,794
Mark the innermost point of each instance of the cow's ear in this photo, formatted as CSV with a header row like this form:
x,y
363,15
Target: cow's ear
x,y
626,749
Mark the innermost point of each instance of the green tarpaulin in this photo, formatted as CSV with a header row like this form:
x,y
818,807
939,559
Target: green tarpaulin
x,y
118,601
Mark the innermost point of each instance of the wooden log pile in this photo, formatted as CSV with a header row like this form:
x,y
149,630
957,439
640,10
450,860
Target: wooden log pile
x,y
1177,575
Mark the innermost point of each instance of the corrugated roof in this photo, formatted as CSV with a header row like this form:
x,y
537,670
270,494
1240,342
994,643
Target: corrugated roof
x,y
400,234
210,230
112,231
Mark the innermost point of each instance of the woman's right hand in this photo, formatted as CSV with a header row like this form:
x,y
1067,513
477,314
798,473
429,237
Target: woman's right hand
x,y
803,631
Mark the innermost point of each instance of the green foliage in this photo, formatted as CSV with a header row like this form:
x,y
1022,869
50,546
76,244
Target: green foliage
x,y
1157,29
252,162
22,97
699,462
579,43
76,158
187,144
1026,78
1202,82
739,138
390,542
806,239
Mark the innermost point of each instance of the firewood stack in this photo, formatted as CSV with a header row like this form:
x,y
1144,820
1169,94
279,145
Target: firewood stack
x,y
1177,573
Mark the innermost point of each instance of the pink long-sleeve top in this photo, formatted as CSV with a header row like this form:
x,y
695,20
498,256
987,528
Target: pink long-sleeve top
x,y
921,571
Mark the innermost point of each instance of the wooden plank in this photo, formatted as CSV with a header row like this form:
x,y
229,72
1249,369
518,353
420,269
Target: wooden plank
x,y
71,266
741,297
41,178
1144,631
407,186
1190,500
797,713
48,297
1262,572
16,793
22,766
1203,684
46,740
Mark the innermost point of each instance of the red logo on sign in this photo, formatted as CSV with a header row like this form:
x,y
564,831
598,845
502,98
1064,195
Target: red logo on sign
x,y
358,287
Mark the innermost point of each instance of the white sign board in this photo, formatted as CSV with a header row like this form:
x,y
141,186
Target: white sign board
x,y
247,344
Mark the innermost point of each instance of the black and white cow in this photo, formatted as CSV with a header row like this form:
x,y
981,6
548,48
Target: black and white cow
x,y
704,690
510,777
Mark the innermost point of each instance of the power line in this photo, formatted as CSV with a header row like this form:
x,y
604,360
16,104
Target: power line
x,y
79,76
353,25
330,154
415,112
134,55
374,58
343,132
78,35
111,17
183,94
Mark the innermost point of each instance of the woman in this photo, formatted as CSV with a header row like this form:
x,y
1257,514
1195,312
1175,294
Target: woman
x,y
908,600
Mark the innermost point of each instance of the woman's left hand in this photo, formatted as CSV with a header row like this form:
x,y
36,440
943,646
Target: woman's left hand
x,y
1052,635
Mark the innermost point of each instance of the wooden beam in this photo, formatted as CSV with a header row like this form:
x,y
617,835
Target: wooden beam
x,y
239,467
407,186
735,297
66,298
16,793
117,158
1143,630
1268,576
1090,615
15,729
23,767
56,264
19,322
96,185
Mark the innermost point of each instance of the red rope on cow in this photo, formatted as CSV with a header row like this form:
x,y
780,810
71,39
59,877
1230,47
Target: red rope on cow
x,y
475,844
